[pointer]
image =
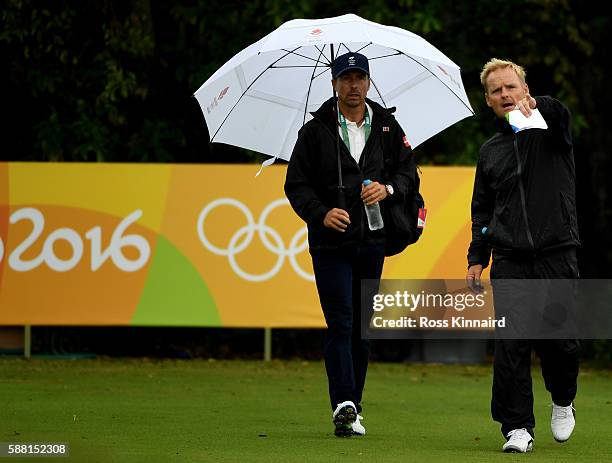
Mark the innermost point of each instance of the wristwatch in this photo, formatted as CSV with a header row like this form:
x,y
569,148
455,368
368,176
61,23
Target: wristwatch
x,y
389,189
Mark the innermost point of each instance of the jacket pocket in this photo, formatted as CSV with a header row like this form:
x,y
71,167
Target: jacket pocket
x,y
498,236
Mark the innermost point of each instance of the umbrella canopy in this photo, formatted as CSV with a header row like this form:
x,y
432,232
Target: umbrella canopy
x,y
261,97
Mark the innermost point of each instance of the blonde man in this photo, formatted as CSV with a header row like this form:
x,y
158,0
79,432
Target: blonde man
x,y
524,216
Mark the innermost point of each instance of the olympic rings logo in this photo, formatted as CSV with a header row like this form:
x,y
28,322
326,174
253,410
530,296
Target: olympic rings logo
x,y
243,237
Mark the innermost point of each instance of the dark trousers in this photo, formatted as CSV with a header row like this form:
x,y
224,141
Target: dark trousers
x,y
512,395
338,275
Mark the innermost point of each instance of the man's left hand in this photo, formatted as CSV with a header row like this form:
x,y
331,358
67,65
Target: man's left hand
x,y
373,193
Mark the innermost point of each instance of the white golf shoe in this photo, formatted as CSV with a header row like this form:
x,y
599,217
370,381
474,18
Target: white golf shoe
x,y
519,441
343,417
358,429
562,422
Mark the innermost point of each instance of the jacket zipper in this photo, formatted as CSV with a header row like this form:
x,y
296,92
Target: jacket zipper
x,y
364,217
522,191
364,221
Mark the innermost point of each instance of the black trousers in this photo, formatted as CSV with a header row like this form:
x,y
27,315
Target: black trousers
x,y
512,395
338,274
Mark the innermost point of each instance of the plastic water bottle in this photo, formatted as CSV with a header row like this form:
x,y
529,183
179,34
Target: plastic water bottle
x,y
375,220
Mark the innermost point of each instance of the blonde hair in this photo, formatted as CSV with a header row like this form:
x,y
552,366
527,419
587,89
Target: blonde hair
x,y
494,64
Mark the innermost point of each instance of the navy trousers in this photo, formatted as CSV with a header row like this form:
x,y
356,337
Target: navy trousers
x,y
338,275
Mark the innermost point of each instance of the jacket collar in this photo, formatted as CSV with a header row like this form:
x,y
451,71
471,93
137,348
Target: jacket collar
x,y
502,125
325,113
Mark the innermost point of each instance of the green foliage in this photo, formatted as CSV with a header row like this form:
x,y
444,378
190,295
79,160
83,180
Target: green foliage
x,y
598,351
110,81
81,67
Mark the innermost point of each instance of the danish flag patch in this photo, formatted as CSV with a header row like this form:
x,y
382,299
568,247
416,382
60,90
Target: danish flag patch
x,y
406,143
385,129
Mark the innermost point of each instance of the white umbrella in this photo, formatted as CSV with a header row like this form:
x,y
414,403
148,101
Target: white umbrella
x,y
261,97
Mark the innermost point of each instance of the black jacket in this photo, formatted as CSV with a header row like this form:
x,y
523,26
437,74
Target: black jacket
x,y
312,176
524,190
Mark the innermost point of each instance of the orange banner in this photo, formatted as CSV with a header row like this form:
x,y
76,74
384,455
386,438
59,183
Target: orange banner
x,y
183,245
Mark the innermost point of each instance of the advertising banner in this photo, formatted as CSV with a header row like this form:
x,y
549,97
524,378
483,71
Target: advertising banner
x,y
184,245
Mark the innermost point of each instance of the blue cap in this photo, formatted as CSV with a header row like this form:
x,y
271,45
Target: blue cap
x,y
350,62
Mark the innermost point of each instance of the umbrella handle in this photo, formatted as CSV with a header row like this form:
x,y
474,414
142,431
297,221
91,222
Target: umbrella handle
x,y
340,198
340,195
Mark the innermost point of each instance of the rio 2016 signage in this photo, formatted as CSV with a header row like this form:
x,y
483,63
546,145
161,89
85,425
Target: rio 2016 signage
x,y
98,255
168,245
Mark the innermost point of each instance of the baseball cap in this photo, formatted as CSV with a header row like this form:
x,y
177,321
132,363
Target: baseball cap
x,y
349,62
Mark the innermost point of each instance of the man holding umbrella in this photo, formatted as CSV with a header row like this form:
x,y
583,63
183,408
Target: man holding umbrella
x,y
340,148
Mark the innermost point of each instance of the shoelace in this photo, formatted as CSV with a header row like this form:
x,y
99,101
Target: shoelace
x,y
562,412
518,433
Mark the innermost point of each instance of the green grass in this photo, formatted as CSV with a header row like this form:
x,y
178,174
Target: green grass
x,y
209,411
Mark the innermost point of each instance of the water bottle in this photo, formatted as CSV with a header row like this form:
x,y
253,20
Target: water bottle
x,y
375,220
